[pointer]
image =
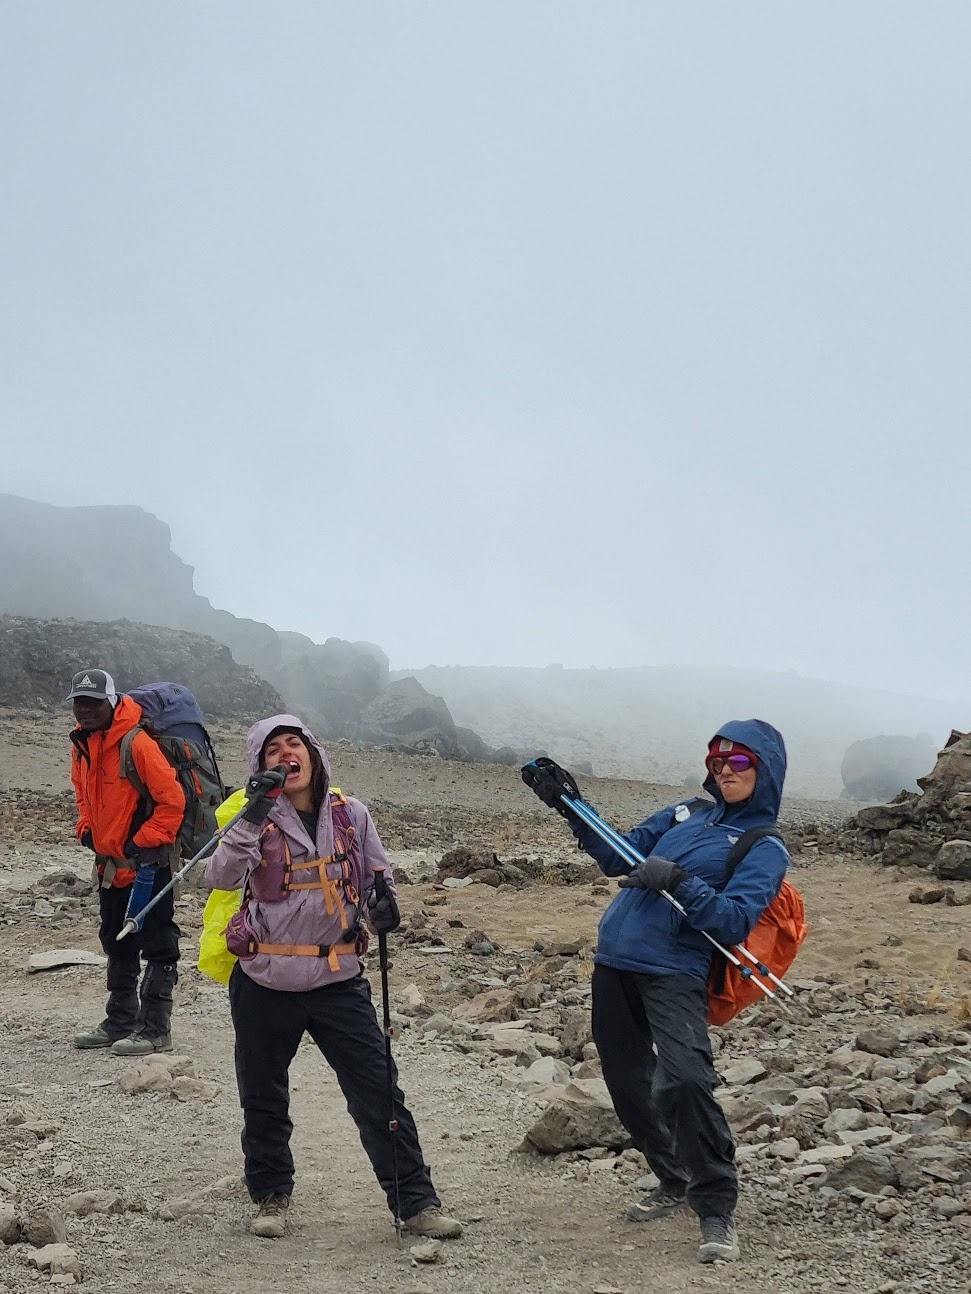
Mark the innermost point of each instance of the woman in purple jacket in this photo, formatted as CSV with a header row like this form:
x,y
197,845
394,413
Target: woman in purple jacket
x,y
307,859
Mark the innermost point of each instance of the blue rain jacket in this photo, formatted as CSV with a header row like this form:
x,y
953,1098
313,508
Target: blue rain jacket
x,y
640,931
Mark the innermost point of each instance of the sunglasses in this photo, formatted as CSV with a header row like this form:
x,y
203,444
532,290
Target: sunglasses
x,y
737,763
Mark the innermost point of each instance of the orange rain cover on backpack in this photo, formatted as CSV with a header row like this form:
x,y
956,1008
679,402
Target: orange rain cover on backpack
x,y
775,941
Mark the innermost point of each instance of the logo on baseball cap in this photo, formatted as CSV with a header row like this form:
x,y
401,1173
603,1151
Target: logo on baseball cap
x,y
94,683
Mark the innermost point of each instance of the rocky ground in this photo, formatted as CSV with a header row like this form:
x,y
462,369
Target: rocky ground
x,y
852,1110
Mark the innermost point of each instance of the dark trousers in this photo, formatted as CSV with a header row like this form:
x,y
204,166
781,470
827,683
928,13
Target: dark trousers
x,y
666,1101
340,1019
149,1011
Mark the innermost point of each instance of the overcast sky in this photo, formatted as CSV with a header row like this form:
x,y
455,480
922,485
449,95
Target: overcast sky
x,y
510,332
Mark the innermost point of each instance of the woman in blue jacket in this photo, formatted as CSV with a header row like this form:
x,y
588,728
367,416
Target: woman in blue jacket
x,y
650,977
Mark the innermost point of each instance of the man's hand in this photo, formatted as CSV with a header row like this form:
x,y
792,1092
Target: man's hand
x,y
654,874
87,840
156,856
263,791
382,910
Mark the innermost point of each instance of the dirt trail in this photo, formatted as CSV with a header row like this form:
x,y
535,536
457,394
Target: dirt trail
x,y
541,1225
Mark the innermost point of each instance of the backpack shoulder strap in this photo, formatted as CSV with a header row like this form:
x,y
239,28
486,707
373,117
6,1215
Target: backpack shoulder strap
x,y
745,842
127,761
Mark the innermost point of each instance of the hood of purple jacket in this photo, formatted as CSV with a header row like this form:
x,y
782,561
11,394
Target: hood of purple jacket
x,y
257,736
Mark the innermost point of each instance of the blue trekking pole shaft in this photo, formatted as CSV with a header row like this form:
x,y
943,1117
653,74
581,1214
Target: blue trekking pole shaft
x,y
134,918
632,856
619,843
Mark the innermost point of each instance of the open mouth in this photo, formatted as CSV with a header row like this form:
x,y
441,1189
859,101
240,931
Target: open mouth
x,y
294,768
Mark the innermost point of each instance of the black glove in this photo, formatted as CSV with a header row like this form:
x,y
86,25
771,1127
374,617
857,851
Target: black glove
x,y
156,856
550,782
87,840
263,791
382,910
654,874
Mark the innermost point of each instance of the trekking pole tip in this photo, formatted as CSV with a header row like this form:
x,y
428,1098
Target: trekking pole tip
x,y
127,929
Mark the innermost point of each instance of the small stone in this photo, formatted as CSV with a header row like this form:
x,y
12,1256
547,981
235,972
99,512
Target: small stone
x,y
428,1251
411,999
740,1072
185,1088
878,1042
44,1227
964,954
84,1203
9,1225
58,1259
63,957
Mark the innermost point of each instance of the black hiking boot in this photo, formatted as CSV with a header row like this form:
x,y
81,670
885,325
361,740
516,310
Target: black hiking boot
x,y
719,1240
659,1203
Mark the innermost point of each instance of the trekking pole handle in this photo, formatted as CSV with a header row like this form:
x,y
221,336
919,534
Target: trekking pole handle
x,y
133,924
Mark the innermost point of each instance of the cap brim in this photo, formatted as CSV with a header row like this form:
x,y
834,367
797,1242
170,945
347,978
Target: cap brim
x,y
92,696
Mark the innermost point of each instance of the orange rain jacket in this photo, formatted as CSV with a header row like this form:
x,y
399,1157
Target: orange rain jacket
x,y
109,806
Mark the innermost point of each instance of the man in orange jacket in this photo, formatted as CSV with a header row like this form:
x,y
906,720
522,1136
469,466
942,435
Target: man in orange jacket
x,y
126,832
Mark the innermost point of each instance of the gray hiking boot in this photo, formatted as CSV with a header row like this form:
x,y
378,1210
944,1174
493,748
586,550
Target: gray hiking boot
x,y
719,1240
92,1038
138,1045
659,1203
270,1222
433,1222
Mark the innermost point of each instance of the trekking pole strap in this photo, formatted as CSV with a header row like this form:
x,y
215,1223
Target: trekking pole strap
x,y
632,857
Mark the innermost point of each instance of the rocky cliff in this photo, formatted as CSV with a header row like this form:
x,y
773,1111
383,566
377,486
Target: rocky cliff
x,y
116,564
38,658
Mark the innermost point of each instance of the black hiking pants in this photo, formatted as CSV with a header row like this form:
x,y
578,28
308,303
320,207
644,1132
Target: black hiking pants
x,y
341,1020
666,1100
148,1011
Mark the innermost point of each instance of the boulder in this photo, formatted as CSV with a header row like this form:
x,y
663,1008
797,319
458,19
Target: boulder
x,y
953,862
866,1170
494,1004
581,1117
405,716
911,847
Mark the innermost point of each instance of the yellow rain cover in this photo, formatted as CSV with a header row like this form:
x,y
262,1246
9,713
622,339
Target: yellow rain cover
x,y
215,959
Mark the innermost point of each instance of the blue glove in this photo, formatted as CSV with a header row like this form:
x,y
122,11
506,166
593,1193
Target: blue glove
x,y
654,874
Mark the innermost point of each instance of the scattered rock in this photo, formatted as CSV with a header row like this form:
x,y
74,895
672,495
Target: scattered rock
x,y
42,1227
427,1251
63,957
582,1116
493,1004
740,1072
9,1225
878,1042
85,1203
58,1259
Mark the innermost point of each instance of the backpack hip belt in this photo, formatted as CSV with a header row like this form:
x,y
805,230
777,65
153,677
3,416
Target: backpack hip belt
x,y
333,952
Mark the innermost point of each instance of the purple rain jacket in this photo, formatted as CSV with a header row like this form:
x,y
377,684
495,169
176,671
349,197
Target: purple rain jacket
x,y
301,917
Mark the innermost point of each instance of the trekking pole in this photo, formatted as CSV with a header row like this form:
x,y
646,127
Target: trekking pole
x,y
381,892
134,920
626,849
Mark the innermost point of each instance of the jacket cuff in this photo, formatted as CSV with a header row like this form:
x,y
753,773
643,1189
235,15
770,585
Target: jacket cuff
x,y
678,874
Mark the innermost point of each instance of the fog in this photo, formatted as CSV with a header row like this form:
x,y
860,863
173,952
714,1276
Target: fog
x,y
603,334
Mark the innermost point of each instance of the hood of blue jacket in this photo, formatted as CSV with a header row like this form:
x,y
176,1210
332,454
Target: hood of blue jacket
x,y
767,743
